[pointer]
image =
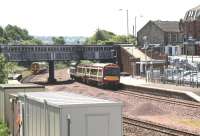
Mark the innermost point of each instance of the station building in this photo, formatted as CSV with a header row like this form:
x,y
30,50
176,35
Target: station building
x,y
163,36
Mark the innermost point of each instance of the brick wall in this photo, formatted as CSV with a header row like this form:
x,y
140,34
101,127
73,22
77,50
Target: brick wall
x,y
127,62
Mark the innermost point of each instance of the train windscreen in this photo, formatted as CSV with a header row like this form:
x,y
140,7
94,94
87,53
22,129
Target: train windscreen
x,y
112,72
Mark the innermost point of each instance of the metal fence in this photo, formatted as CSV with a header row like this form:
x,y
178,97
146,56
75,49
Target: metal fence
x,y
174,76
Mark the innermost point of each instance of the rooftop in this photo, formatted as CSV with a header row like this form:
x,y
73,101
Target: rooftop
x,y
137,53
168,26
12,86
193,14
60,99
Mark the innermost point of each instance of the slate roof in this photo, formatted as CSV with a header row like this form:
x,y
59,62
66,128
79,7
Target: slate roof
x,y
193,14
168,26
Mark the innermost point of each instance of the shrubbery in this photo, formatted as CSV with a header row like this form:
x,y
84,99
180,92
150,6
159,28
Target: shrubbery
x,y
3,129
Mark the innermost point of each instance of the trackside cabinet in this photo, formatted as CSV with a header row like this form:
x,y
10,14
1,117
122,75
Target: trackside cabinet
x,y
9,108
68,114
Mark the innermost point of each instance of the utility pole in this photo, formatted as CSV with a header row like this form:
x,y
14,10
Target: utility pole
x,y
135,26
127,21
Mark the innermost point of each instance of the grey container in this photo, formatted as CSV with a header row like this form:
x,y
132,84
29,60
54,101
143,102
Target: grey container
x,y
9,108
68,114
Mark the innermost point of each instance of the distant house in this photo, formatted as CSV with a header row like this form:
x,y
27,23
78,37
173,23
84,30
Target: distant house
x,y
162,33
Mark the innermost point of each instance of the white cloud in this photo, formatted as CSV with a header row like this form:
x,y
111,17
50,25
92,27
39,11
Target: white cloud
x,y
83,17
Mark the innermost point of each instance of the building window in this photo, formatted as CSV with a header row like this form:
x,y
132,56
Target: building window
x,y
174,37
169,37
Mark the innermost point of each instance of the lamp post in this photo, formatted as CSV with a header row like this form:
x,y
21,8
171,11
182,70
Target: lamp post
x,y
145,47
135,26
127,21
135,33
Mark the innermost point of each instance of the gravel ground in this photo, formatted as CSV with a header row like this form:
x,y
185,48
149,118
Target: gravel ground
x,y
160,112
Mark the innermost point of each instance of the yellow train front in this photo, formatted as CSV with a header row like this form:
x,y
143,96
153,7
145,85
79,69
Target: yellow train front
x,y
35,68
38,67
102,74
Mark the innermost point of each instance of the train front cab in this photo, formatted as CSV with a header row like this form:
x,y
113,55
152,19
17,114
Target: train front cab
x,y
111,75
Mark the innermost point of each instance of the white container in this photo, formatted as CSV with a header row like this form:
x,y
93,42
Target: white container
x,y
68,114
8,105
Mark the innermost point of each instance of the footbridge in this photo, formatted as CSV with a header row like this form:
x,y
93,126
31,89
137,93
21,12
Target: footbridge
x,y
51,53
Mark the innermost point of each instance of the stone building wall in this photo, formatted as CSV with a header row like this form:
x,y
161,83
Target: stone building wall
x,y
154,34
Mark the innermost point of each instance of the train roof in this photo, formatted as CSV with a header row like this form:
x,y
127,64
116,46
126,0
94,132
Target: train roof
x,y
98,64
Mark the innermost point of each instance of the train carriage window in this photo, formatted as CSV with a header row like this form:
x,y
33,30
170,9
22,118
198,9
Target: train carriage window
x,y
100,73
79,70
94,71
82,70
87,71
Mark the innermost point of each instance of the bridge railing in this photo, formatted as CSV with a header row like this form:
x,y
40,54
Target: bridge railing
x,y
49,52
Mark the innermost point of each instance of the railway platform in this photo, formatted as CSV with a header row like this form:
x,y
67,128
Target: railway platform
x,y
138,82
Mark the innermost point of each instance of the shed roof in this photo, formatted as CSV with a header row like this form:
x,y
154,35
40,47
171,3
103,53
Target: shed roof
x,y
136,53
61,99
168,26
98,64
13,86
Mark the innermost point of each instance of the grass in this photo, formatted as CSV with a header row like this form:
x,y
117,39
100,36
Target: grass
x,y
26,73
3,129
189,122
60,65
22,70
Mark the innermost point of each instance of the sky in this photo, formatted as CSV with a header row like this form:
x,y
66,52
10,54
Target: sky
x,y
84,17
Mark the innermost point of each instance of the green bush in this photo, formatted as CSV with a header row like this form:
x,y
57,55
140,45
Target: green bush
x,y
3,129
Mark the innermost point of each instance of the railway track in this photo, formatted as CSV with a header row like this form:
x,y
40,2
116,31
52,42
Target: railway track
x,y
189,104
153,127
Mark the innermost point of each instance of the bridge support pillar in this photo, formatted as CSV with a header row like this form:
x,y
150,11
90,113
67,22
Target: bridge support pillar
x,y
51,72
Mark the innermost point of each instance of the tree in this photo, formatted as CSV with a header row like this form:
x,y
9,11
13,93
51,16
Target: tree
x,y
120,39
16,35
1,31
4,69
100,37
103,37
4,131
31,42
58,40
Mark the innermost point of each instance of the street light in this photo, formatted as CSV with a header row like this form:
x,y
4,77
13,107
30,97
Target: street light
x,y
136,25
145,47
127,21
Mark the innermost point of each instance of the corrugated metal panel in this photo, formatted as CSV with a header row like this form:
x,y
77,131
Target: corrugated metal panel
x,y
76,121
8,92
2,118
